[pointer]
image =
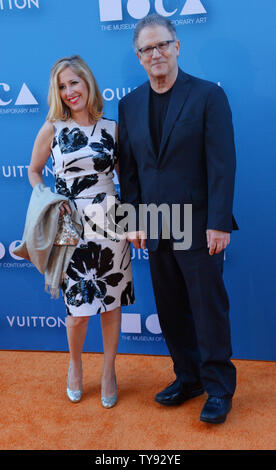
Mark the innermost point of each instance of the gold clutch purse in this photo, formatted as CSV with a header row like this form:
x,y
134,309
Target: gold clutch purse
x,y
66,233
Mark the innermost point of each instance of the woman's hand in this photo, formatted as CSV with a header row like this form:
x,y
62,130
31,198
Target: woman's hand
x,y
65,207
138,239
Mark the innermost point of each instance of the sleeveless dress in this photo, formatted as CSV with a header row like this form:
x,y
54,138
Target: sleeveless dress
x,y
99,276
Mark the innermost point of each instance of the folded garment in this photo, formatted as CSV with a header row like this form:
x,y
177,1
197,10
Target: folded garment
x,y
41,226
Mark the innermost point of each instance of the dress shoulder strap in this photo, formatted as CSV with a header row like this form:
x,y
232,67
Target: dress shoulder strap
x,y
108,124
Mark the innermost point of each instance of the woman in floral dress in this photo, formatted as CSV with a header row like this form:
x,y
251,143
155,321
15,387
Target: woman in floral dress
x,y
82,144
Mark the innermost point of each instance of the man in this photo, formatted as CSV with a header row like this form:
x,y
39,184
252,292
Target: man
x,y
176,146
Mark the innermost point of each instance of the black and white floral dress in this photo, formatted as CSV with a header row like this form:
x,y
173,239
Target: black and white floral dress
x,y
99,276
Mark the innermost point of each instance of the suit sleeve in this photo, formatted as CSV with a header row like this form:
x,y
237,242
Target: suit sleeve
x,y
220,160
128,172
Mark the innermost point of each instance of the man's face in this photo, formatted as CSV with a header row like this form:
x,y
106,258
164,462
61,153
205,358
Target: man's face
x,y
160,63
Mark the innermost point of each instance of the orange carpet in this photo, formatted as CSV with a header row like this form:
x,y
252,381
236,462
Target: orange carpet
x,y
35,413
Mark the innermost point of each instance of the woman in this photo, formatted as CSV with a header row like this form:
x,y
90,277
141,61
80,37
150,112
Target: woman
x,y
99,278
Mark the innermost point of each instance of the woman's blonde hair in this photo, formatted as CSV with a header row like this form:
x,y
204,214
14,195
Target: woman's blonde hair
x,y
57,108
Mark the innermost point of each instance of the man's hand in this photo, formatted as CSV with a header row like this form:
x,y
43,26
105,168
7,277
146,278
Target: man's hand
x,y
138,239
217,241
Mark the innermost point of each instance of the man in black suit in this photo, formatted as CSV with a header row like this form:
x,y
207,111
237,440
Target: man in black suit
x,y
176,147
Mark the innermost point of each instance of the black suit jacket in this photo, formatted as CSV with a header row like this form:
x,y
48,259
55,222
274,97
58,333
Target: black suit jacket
x,y
196,161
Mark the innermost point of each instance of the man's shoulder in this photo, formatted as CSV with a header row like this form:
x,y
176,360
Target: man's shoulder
x,y
199,85
199,82
135,94
204,89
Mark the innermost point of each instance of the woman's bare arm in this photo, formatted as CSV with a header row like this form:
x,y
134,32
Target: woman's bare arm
x,y
41,152
40,155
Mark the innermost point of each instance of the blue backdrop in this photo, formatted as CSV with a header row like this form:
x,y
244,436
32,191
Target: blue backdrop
x,y
228,42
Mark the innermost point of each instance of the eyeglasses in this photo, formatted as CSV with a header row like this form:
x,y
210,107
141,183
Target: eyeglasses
x,y
161,47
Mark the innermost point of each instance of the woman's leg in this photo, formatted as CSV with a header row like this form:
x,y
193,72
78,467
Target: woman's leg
x,y
111,325
76,328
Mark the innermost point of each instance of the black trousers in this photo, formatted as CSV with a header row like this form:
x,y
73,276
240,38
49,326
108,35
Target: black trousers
x,y
193,310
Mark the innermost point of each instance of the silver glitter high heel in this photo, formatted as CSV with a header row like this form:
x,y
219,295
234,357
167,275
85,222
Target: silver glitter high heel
x,y
109,402
73,395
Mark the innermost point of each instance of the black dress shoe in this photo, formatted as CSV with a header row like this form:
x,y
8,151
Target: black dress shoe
x,y
178,392
216,409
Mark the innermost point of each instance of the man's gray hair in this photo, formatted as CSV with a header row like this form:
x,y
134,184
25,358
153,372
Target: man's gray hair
x,y
152,20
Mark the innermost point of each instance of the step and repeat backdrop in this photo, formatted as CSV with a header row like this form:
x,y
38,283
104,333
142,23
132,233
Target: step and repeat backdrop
x,y
230,42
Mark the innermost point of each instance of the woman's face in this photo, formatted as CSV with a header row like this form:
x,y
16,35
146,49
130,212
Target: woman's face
x,y
73,90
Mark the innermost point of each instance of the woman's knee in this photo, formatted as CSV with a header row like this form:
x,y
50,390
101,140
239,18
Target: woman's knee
x,y
72,322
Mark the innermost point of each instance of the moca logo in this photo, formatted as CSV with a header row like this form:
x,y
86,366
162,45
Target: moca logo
x,y
112,10
24,98
132,323
11,248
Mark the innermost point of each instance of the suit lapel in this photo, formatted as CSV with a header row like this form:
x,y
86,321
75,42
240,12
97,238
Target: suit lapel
x,y
179,95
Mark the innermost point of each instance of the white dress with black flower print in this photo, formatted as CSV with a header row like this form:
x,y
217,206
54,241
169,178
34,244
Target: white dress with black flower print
x,y
99,276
